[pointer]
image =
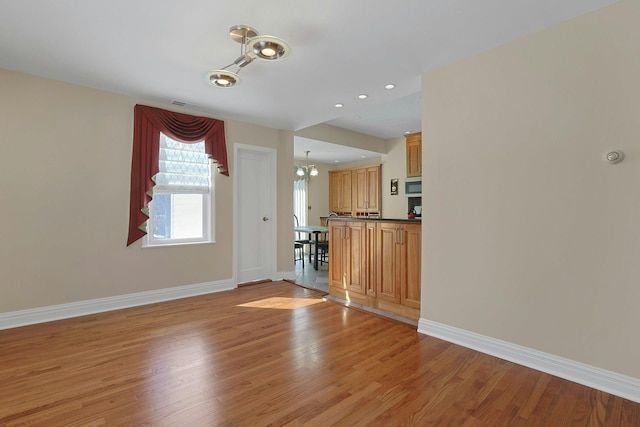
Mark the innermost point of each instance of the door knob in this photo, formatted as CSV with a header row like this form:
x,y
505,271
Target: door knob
x,y
264,218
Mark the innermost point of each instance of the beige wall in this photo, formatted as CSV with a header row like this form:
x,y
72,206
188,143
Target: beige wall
x,y
533,238
285,201
394,165
64,165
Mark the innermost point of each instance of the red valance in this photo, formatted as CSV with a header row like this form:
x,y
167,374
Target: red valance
x,y
149,122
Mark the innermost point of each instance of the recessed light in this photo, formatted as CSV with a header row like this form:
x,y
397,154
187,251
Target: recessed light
x,y
364,157
363,96
357,117
339,105
389,86
336,161
407,132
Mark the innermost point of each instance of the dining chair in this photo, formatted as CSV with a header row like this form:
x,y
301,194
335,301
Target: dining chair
x,y
299,244
323,251
298,252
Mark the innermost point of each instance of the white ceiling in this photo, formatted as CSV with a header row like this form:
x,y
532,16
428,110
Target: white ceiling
x,y
161,51
326,152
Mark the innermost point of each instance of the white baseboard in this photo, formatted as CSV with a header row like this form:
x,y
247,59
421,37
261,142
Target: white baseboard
x,y
600,379
14,319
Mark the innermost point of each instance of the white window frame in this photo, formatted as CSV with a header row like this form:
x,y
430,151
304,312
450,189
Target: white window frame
x,y
207,223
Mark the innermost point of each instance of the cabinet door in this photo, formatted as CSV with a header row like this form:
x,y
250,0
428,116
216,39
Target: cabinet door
x,y
337,276
347,252
359,189
340,191
373,186
365,189
410,284
335,189
388,268
414,155
355,257
345,193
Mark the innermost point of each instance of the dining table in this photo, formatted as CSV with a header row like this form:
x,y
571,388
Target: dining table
x,y
316,230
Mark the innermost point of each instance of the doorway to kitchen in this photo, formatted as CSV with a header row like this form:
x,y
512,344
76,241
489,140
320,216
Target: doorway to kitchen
x,y
306,276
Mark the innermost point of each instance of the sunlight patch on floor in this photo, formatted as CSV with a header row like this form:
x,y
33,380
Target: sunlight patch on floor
x,y
282,303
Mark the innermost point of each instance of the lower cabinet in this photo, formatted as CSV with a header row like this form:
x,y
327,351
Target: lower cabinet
x,y
389,269
410,259
377,264
347,266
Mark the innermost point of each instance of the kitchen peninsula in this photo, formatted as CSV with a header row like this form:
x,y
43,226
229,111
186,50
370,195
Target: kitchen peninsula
x,y
376,263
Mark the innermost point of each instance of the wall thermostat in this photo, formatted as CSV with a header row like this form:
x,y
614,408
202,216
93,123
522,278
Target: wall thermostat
x,y
614,156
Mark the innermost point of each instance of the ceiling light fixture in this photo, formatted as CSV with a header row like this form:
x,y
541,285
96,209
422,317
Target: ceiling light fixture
x,y
389,86
307,171
363,96
252,46
339,105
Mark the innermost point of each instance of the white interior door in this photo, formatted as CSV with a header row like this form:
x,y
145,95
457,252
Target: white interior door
x,y
255,211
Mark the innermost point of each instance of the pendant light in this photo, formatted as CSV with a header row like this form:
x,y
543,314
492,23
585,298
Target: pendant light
x,y
307,171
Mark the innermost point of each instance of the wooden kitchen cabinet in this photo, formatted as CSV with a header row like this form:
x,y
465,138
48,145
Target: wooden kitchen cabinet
x,y
414,155
347,257
356,192
376,263
410,279
366,190
398,271
388,271
340,192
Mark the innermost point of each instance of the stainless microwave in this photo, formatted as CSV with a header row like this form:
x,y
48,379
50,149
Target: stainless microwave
x,y
413,187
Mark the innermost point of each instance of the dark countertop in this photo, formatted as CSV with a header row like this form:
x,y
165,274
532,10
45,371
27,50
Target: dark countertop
x,y
360,218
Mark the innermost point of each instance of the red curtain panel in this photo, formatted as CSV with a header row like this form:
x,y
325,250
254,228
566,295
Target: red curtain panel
x,y
149,122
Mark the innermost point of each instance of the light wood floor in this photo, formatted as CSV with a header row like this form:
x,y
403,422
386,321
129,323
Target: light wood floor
x,y
273,354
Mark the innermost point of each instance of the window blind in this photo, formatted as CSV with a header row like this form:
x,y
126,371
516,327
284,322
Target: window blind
x,y
183,167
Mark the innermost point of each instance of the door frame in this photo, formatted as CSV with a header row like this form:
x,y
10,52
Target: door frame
x,y
271,179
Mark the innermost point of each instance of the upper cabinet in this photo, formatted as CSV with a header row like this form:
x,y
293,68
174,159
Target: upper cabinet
x,y
365,187
356,192
414,155
340,192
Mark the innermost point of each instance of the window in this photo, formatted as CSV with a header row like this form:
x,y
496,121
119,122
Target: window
x,y
180,211
300,200
149,123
